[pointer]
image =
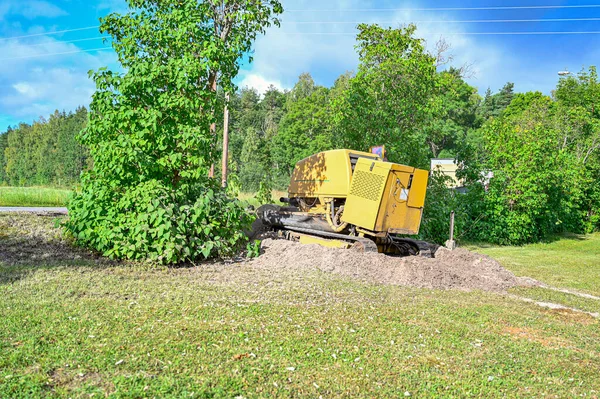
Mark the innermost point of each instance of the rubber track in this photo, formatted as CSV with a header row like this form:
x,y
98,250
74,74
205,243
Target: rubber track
x,y
426,250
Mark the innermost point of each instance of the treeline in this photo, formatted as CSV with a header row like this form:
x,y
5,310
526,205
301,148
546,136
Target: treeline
x,y
270,132
45,152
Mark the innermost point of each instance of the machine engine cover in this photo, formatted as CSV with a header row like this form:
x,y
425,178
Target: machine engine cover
x,y
386,197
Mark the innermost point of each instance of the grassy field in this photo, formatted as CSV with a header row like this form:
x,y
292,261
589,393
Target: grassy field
x,y
33,196
46,196
568,262
76,326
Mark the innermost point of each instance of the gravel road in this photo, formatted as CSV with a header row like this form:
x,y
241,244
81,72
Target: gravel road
x,y
37,210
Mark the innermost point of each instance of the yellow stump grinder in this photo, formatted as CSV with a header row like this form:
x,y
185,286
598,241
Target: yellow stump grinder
x,y
346,198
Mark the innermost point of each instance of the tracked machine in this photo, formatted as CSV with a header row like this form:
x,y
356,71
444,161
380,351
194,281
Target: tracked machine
x,y
345,198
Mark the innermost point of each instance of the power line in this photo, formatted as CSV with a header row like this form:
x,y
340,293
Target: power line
x,y
66,41
50,33
468,21
447,8
451,33
51,54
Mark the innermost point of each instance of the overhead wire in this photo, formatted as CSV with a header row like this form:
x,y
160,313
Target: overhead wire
x,y
454,33
447,8
468,21
52,54
50,33
65,41
474,21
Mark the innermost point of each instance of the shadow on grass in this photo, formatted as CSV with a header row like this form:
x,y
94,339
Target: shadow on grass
x,y
565,236
32,242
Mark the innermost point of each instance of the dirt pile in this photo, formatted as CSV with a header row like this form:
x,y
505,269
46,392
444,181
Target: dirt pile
x,y
458,269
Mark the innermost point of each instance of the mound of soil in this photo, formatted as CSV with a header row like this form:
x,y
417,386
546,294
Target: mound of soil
x,y
458,269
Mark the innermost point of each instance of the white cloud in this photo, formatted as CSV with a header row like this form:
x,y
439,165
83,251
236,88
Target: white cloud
x,y
36,86
258,82
38,8
25,89
294,48
286,52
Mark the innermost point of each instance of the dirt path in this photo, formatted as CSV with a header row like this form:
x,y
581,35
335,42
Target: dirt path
x,y
555,306
34,210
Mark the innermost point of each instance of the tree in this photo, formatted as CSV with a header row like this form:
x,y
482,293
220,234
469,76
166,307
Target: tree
x,y
305,129
577,122
390,97
302,89
494,104
150,135
522,204
3,146
455,115
254,159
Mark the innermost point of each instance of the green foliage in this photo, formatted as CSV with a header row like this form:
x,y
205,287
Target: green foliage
x,y
544,160
391,96
148,195
454,116
253,249
254,125
155,222
265,192
439,204
255,160
44,153
305,128
493,105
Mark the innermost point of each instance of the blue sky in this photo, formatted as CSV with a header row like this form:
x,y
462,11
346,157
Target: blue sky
x,y
46,71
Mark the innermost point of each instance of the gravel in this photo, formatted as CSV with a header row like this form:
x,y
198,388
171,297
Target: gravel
x,y
458,269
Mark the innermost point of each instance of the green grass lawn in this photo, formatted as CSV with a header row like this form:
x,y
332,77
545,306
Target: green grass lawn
x,y
46,196
33,196
74,326
250,198
568,262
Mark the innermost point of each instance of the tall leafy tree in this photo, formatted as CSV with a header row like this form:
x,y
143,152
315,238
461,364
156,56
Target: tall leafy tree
x,y
494,104
390,97
454,117
305,129
150,135
3,146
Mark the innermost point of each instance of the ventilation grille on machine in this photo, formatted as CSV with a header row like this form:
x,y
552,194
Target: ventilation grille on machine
x,y
367,185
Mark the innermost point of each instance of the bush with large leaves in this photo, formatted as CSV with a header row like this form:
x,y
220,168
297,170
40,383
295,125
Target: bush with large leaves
x,y
150,135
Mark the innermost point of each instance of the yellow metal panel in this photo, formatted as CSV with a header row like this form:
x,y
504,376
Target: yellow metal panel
x,y
418,190
386,197
326,174
393,213
364,199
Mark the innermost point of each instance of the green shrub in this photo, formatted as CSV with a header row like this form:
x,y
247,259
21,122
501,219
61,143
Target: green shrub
x,y
439,204
150,137
153,222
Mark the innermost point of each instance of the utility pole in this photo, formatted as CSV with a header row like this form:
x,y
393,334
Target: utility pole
x,y
213,130
225,142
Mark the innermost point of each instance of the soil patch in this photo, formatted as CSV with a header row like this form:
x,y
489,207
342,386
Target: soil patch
x,y
458,269
34,240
